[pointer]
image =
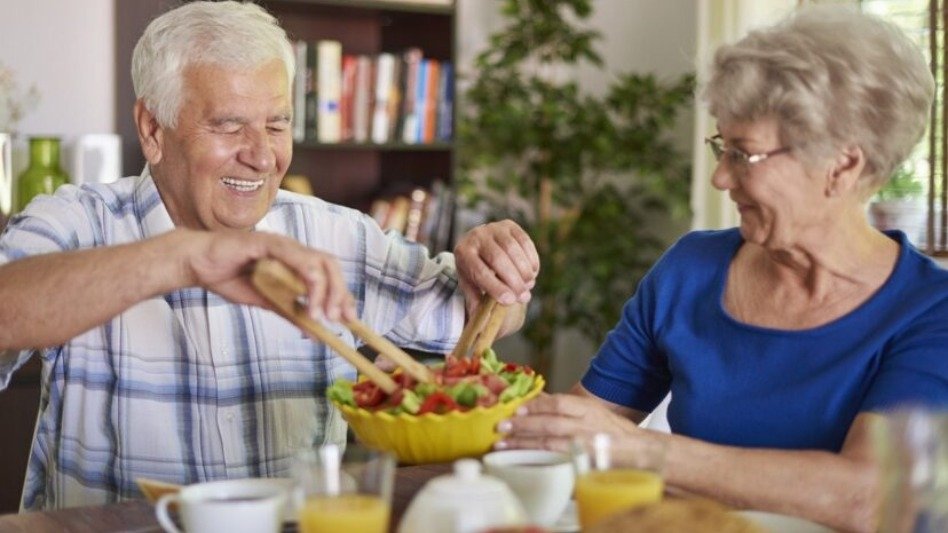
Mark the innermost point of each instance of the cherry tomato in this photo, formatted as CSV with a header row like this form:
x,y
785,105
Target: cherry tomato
x,y
438,403
367,394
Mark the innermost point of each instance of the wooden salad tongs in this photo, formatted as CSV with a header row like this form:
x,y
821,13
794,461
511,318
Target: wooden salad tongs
x,y
278,284
482,329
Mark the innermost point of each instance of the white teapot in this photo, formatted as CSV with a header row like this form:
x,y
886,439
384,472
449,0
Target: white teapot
x,y
463,502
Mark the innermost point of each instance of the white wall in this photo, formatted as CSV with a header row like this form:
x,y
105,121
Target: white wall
x,y
66,48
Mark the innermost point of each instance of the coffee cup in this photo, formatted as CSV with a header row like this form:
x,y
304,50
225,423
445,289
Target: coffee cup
x,y
234,506
542,480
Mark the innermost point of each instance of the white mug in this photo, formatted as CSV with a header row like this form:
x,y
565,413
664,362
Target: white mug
x,y
541,479
96,158
231,506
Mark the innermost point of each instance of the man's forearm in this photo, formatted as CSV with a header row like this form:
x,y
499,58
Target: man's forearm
x,y
48,299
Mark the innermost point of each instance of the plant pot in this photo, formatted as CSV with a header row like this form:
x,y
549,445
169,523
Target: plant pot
x,y
905,215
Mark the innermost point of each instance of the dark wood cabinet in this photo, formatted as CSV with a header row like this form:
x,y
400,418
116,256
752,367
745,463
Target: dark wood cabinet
x,y
19,403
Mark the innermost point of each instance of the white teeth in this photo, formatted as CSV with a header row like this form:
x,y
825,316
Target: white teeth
x,y
242,185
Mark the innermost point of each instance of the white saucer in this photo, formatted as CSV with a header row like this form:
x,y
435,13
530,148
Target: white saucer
x,y
568,521
778,523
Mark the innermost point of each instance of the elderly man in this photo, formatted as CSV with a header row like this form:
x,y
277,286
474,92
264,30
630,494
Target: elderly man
x,y
159,358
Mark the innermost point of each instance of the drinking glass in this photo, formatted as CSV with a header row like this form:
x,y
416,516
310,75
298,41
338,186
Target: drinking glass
x,y
911,446
614,475
341,489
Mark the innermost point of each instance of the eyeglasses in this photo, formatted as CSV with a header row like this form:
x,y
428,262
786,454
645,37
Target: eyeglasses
x,y
737,157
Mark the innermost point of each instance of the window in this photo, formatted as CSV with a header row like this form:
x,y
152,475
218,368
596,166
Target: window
x,y
925,21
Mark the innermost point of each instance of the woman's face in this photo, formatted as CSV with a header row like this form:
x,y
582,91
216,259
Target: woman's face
x,y
781,201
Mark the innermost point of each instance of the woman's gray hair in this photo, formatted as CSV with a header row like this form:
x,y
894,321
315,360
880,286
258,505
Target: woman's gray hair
x,y
831,76
230,34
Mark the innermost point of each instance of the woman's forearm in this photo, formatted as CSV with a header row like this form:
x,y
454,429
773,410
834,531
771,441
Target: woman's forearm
x,y
839,490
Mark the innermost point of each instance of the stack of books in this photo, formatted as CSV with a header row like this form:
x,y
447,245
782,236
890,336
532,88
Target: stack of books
x,y
358,98
424,215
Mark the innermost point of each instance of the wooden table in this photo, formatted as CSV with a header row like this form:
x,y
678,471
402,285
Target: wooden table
x,y
139,516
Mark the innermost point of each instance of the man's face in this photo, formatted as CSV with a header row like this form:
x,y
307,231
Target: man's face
x,y
220,168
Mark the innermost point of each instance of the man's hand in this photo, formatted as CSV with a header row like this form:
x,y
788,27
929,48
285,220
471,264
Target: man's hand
x,y
498,259
222,261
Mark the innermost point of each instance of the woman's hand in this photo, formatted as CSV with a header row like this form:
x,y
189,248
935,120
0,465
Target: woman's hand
x,y
552,421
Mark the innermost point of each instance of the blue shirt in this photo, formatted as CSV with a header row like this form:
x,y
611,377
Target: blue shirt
x,y
187,387
743,385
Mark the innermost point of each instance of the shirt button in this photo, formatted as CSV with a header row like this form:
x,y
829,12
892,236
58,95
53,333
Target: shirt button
x,y
230,417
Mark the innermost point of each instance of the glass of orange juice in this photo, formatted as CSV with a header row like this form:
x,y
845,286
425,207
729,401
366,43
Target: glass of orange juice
x,y
346,490
613,475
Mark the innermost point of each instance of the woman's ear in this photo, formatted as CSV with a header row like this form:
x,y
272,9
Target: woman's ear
x,y
846,170
150,133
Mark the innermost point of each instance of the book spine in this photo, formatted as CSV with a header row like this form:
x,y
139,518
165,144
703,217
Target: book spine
x,y
329,90
347,100
432,80
299,92
385,70
311,118
360,111
418,117
411,62
445,128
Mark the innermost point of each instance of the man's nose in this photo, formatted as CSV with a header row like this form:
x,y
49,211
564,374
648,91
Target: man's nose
x,y
257,151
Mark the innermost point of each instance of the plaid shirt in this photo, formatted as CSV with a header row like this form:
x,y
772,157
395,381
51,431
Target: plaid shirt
x,y
187,387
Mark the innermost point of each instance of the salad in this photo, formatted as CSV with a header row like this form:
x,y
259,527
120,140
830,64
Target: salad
x,y
460,384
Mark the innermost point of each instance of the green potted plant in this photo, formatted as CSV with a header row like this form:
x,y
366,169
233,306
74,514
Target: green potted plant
x,y
899,203
594,179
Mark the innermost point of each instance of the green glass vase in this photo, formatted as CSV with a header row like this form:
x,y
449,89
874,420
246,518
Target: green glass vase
x,y
44,174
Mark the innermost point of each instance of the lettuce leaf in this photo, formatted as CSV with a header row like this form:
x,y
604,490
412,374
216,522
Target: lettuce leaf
x,y
341,393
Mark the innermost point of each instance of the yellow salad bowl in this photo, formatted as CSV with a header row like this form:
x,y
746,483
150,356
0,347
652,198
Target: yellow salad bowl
x,y
434,438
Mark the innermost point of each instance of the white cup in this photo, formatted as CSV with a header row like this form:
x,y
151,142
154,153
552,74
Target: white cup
x,y
231,506
541,479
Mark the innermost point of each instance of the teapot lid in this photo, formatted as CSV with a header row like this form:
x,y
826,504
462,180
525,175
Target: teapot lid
x,y
467,481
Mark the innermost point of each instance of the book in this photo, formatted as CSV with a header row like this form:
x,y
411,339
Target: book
x,y
347,98
411,64
384,81
430,111
445,126
416,211
311,114
299,91
398,214
417,125
361,110
329,90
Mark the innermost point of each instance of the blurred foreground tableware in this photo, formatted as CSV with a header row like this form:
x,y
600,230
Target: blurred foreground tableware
x,y
541,479
912,448
684,515
154,489
614,475
347,491
463,502
779,523
434,438
231,506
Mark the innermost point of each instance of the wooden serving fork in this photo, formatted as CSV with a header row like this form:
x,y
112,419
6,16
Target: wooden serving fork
x,y
482,329
278,284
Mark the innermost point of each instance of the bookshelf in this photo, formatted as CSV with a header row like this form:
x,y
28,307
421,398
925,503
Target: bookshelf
x,y
349,173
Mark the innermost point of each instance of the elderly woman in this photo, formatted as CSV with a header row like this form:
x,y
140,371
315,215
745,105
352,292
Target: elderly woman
x,y
783,340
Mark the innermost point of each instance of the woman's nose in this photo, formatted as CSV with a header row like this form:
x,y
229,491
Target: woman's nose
x,y
723,177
